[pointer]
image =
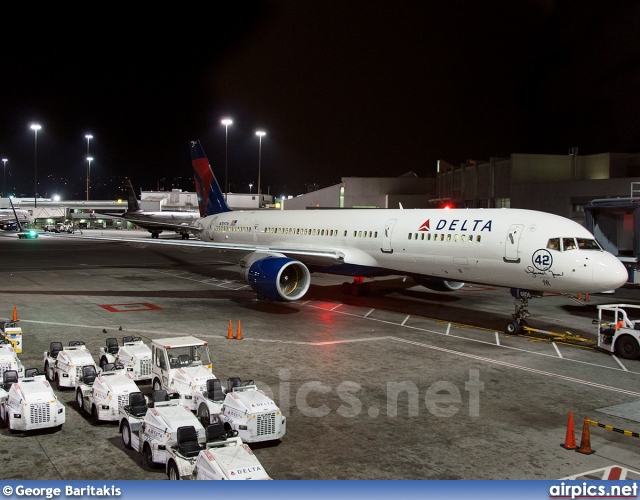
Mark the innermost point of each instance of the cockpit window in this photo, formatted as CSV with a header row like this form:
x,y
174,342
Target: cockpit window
x,y
588,244
553,244
568,244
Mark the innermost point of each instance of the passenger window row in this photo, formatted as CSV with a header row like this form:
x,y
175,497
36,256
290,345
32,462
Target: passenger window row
x,y
445,237
300,231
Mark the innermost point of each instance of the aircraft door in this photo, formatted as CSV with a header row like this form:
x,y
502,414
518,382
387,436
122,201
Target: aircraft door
x,y
386,236
512,242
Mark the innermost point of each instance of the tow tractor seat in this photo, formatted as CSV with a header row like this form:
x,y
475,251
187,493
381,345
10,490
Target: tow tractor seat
x,y
215,432
233,382
54,349
214,390
160,395
126,339
9,377
31,372
89,374
187,441
137,404
112,345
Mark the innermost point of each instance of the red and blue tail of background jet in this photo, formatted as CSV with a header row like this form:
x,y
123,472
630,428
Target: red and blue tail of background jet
x,y
210,198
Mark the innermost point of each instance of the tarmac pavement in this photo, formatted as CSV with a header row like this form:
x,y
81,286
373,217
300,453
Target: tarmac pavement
x,y
403,384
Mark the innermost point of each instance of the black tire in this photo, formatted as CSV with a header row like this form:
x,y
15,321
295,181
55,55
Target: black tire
x,y
157,386
512,328
94,414
627,347
79,399
46,372
103,361
204,415
148,456
57,377
346,288
126,436
172,472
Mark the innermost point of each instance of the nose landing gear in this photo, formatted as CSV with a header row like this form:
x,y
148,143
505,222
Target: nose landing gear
x,y
522,311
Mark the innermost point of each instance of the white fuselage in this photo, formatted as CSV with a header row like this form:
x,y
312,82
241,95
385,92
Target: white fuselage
x,y
502,247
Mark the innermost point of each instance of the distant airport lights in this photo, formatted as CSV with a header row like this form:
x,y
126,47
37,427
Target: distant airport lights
x,y
260,134
226,122
35,127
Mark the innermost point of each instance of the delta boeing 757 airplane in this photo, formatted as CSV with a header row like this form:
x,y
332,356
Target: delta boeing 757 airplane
x,y
277,250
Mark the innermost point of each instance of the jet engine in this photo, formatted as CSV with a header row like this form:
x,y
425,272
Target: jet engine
x,y
440,285
278,278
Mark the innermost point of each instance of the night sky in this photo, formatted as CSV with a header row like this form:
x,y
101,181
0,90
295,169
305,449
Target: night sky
x,y
342,88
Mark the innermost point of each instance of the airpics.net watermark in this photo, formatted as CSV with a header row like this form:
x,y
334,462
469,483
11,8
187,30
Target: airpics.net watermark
x,y
441,398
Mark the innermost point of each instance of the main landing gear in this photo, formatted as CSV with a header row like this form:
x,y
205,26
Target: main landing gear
x,y
522,311
358,287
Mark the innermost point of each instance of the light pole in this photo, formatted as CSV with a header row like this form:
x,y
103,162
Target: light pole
x,y
88,137
4,177
89,160
250,186
261,134
226,122
35,127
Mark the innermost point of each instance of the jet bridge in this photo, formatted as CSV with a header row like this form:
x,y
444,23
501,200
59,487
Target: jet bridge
x,y
615,223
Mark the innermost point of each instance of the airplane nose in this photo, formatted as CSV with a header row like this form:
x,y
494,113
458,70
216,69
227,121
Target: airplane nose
x,y
609,273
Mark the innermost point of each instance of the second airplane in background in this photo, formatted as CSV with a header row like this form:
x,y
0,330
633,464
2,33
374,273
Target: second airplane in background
x,y
156,222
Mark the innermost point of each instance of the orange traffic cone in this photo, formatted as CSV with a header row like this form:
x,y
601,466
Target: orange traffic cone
x,y
586,297
15,314
570,439
579,296
230,331
239,337
585,441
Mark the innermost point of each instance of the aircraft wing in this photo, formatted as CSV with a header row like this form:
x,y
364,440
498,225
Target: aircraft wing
x,y
309,256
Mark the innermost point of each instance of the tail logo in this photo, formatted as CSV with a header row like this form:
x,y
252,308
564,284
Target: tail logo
x,y
425,226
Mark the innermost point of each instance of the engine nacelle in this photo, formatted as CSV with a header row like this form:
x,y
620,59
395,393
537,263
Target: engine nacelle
x,y
440,285
278,278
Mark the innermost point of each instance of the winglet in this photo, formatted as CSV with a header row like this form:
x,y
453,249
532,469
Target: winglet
x,y
210,198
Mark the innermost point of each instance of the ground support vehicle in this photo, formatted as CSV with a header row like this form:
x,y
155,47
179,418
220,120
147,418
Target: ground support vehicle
x,y
29,403
104,394
223,456
13,333
65,366
133,354
9,359
243,408
618,333
150,432
181,365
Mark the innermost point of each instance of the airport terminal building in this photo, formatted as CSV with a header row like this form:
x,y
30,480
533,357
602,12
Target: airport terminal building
x,y
559,184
